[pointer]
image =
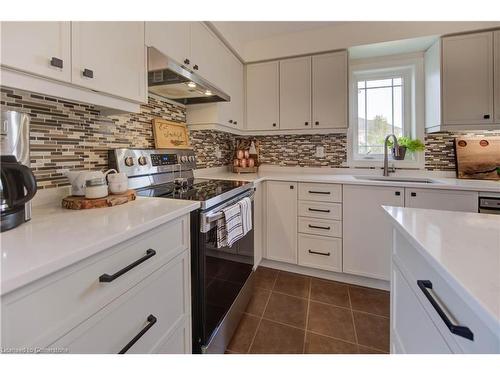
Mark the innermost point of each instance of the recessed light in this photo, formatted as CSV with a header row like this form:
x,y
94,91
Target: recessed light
x,y
208,92
191,84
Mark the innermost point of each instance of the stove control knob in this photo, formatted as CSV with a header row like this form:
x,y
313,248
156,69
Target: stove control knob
x,y
184,159
142,160
129,161
191,158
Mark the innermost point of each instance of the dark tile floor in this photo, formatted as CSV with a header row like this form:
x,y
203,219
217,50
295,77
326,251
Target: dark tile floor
x,y
292,313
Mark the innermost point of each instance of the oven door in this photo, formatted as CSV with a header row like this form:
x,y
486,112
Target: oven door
x,y
219,279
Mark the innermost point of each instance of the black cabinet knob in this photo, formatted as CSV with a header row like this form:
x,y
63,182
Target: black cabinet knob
x,y
274,124
316,123
230,121
486,117
413,194
306,123
186,61
236,123
88,73
195,67
291,187
398,193
58,63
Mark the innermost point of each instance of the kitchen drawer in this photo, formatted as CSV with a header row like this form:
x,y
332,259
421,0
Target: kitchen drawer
x,y
332,228
414,267
49,308
332,211
163,296
320,252
320,192
412,330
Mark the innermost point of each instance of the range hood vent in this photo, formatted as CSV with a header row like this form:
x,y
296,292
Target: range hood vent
x,y
170,80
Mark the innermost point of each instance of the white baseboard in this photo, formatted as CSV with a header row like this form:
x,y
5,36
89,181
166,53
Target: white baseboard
x,y
329,275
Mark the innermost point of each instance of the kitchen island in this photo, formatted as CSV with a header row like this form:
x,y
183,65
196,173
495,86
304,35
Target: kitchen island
x,y
445,281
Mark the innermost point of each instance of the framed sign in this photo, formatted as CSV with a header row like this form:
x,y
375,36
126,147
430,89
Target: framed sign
x,y
168,134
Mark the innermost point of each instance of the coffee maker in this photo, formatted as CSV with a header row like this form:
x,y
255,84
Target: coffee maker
x,y
17,183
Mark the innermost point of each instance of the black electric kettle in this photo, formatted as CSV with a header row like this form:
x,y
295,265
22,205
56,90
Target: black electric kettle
x,y
18,187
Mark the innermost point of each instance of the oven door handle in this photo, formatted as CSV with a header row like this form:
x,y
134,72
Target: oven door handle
x,y
208,219
211,217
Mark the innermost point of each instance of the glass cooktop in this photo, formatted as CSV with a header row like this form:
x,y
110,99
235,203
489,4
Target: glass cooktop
x,y
209,192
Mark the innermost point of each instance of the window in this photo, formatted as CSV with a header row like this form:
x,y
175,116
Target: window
x,y
384,101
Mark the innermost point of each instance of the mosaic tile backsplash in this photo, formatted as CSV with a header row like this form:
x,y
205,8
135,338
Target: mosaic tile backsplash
x,y
68,135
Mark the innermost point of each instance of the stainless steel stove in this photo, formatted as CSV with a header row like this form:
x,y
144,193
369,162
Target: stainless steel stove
x,y
221,278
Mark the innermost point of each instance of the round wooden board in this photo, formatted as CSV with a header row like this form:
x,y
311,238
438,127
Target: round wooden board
x,y
81,203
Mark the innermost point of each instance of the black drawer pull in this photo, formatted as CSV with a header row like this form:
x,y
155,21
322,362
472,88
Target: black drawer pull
x,y
398,193
58,63
88,73
319,192
318,227
316,123
318,210
486,117
458,330
413,194
105,278
151,322
318,253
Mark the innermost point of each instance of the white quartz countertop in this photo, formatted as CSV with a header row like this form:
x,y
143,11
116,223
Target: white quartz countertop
x,y
296,174
463,247
56,237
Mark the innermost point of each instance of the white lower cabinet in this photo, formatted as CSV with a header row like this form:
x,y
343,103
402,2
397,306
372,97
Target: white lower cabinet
x,y
448,200
91,307
281,221
320,252
366,232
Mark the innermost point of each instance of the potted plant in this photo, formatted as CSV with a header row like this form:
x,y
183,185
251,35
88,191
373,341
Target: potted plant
x,y
406,144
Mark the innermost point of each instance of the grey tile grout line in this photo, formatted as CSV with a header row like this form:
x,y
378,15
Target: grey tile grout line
x,y
307,316
353,323
262,316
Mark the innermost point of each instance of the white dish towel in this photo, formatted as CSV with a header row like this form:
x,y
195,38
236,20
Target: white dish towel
x,y
235,223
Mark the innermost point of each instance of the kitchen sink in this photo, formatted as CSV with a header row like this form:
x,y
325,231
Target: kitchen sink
x,y
397,179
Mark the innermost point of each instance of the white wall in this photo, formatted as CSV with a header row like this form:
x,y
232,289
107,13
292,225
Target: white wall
x,y
346,35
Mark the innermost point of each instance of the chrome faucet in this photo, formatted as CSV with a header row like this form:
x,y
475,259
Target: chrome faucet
x,y
386,156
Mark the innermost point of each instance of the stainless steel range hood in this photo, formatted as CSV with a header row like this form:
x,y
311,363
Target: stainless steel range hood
x,y
170,80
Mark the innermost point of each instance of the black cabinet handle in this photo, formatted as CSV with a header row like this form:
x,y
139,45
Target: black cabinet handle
x,y
316,123
318,227
186,61
458,330
58,63
274,124
318,210
398,193
151,322
230,121
236,123
306,123
413,194
195,67
318,253
486,117
319,192
291,187
88,73
105,278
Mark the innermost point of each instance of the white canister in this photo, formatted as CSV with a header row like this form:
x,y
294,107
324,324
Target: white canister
x,y
96,188
118,183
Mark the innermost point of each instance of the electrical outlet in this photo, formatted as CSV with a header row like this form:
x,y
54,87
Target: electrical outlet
x,y
320,151
218,153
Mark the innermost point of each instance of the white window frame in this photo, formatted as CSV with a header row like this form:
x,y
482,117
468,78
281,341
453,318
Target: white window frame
x,y
411,68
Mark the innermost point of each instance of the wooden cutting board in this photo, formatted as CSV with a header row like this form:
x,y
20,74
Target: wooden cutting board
x,y
478,157
81,203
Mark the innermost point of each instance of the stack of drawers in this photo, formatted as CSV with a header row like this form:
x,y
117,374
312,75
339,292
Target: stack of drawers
x,y
320,226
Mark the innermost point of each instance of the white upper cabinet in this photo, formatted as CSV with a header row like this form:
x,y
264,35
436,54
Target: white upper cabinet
x,y
329,90
462,89
110,57
171,38
295,93
42,48
496,73
262,85
468,79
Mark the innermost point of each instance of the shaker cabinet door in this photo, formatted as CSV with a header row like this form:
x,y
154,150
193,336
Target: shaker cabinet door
x,y
467,79
171,38
42,48
110,57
